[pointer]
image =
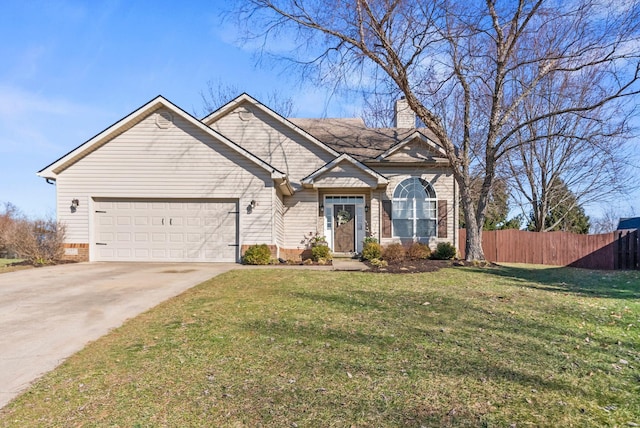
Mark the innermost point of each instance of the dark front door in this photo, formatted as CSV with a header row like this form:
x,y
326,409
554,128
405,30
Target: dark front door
x,y
344,220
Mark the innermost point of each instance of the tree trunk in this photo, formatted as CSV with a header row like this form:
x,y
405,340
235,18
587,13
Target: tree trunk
x,y
473,245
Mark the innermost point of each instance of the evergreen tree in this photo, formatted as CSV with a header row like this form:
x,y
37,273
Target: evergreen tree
x,y
562,213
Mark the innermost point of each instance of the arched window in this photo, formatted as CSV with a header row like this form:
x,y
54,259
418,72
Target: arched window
x,y
414,209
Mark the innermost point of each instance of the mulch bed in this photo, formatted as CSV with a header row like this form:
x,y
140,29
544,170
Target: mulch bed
x,y
414,266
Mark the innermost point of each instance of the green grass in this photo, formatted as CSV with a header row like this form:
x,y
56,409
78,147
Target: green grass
x,y
460,347
5,265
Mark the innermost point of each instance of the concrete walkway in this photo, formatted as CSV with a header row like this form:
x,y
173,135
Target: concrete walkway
x,y
48,314
343,263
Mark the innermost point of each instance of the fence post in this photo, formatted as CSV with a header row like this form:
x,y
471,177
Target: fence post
x,y
634,249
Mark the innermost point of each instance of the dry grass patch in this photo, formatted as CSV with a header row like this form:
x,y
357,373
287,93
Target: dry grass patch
x,y
284,348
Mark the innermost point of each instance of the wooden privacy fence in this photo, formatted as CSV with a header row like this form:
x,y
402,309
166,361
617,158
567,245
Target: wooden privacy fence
x,y
615,250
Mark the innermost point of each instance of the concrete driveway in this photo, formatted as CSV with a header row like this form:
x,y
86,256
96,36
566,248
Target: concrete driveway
x,y
49,313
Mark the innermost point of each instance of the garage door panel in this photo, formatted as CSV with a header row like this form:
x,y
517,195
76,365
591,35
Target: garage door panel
x,y
123,221
141,237
189,230
141,221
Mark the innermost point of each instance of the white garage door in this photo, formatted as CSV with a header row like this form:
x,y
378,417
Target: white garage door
x,y
165,230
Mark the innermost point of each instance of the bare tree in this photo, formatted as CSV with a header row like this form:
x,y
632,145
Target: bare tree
x,y
9,215
465,67
609,219
39,241
218,94
585,152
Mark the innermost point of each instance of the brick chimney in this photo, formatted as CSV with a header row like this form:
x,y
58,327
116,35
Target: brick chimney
x,y
404,116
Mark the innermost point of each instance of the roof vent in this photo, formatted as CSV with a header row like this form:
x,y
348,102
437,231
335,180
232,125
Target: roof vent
x,y
245,113
164,119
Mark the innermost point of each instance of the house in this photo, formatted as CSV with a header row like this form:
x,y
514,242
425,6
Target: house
x,y
161,185
629,223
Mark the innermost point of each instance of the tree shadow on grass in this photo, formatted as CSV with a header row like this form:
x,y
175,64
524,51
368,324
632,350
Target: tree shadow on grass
x,y
583,282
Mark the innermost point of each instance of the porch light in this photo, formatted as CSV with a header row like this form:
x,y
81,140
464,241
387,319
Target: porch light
x,y
321,208
253,203
75,203
366,208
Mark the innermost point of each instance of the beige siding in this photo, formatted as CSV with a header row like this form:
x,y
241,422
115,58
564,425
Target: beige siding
x,y
274,142
346,175
300,217
181,161
444,185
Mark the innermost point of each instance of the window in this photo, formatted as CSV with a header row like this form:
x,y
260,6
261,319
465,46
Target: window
x,y
414,211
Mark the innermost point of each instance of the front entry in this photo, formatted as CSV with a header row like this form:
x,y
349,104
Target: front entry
x,y
344,223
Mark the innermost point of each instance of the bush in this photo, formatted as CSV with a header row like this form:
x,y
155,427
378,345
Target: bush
x,y
320,252
418,251
394,253
370,239
371,250
378,263
444,251
38,241
257,255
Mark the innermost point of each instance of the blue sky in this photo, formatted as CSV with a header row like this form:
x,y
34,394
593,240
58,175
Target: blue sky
x,y
70,69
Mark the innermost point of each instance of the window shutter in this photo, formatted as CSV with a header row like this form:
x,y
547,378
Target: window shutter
x,y
386,219
442,219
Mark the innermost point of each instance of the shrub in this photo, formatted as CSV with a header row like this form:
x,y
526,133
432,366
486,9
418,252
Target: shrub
x,y
39,241
394,253
320,252
418,251
257,255
371,250
444,251
370,239
378,263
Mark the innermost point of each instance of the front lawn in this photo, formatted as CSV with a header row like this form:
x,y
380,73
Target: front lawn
x,y
509,346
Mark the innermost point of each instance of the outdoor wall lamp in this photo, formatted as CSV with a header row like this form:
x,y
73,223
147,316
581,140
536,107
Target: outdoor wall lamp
x,y
366,208
74,205
321,208
253,203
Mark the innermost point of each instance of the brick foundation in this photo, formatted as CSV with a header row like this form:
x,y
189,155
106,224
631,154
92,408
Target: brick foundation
x,y
76,252
295,254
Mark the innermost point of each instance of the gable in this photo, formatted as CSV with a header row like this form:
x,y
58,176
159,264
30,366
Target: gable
x,y
273,139
165,116
344,172
178,155
345,175
415,151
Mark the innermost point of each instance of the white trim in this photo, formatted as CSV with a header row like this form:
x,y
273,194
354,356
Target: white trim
x,y
359,235
310,179
244,97
51,171
416,135
414,217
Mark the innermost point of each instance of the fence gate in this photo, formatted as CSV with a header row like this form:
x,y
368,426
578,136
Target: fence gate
x,y
627,248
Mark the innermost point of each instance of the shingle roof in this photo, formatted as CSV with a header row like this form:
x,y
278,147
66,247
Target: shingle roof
x,y
629,223
353,137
